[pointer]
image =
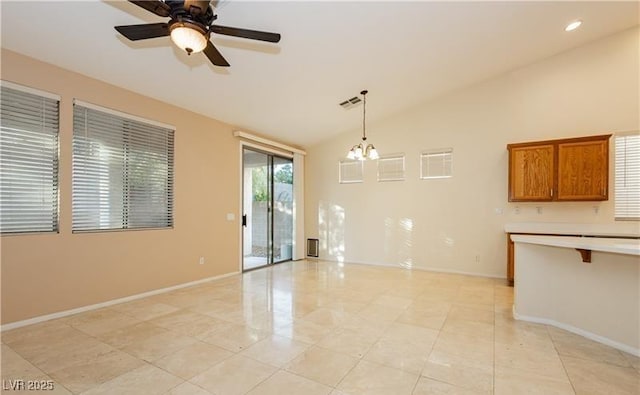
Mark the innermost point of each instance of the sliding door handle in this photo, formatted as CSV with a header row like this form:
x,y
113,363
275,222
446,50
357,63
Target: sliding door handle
x,y
244,220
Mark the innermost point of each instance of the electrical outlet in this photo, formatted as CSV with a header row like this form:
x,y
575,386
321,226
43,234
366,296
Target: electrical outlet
x,y
201,260
516,210
596,209
498,210
539,210
478,258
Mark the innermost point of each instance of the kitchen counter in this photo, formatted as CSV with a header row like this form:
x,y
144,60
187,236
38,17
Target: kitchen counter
x,y
613,245
595,297
618,229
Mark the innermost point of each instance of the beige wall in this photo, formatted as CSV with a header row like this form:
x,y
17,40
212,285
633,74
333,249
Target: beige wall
x,y
48,273
444,224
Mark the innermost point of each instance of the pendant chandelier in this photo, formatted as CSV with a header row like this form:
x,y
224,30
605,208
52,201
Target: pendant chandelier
x,y
363,151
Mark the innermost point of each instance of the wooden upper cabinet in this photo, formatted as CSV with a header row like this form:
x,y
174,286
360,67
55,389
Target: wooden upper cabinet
x,y
559,170
531,173
583,170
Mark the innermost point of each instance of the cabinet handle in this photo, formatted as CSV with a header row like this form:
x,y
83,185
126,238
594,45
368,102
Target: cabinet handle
x,y
551,190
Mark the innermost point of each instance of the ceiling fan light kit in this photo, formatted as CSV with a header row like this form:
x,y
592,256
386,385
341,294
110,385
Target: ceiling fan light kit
x,y
190,27
188,37
363,151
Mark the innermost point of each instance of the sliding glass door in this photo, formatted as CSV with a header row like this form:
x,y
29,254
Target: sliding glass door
x,y
267,208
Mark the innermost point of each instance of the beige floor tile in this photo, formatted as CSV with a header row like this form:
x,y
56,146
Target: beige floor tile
x,y
411,333
304,331
50,330
236,337
633,360
101,321
324,366
402,354
144,309
126,336
348,341
427,386
392,301
14,367
146,380
460,372
432,319
380,314
286,383
235,375
65,354
526,335
543,362
95,369
569,344
190,323
374,379
472,329
187,388
509,381
463,346
275,350
192,360
326,317
591,377
465,313
156,347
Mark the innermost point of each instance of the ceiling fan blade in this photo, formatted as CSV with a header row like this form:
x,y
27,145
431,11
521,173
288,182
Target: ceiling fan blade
x,y
155,6
215,56
142,32
246,33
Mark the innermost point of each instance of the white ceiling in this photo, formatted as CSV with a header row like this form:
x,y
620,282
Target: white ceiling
x,y
403,53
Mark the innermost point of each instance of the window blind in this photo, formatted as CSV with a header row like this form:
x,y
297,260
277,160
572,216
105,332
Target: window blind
x,y
122,172
350,171
627,177
436,164
28,161
391,168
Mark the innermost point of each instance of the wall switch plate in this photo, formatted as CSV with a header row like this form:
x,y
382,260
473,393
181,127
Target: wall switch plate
x,y
201,261
498,210
231,217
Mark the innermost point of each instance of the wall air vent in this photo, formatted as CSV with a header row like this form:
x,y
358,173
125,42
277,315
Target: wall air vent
x,y
347,104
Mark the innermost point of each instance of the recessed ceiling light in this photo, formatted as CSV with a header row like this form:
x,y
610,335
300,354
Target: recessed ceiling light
x,y
573,26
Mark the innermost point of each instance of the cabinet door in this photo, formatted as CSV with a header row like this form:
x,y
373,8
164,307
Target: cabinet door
x,y
583,170
531,170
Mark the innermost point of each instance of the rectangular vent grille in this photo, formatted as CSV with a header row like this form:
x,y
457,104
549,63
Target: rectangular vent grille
x,y
347,104
313,245
350,171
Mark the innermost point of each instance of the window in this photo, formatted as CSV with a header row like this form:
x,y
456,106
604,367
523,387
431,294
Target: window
x,y
28,160
122,171
436,163
627,176
351,171
391,168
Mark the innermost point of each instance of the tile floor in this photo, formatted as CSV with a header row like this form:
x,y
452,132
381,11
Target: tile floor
x,y
316,328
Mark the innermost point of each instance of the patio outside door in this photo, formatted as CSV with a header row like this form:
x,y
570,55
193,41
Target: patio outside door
x,y
267,208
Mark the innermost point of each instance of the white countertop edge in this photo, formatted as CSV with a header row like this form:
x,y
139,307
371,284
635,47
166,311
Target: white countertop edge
x,y
616,246
618,229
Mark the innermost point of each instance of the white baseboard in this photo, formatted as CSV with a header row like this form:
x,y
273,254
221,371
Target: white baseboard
x,y
591,336
60,314
427,269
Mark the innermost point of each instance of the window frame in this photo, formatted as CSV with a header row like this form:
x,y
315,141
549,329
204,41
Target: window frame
x,y
388,157
616,178
432,153
126,199
55,187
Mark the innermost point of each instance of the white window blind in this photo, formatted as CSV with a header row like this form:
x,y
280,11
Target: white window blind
x,y
436,164
627,177
350,171
28,161
391,168
122,172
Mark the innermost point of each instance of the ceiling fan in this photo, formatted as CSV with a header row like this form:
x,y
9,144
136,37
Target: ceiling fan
x,y
190,26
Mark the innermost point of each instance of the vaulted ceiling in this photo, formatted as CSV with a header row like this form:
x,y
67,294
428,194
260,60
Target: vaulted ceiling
x,y
404,53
